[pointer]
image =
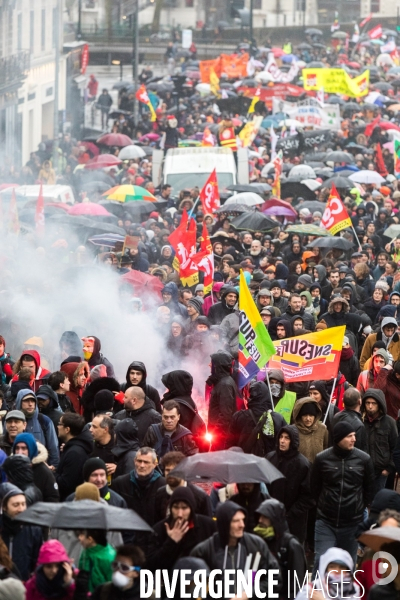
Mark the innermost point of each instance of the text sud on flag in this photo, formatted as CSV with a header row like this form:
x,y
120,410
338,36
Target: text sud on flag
x,y
309,357
255,344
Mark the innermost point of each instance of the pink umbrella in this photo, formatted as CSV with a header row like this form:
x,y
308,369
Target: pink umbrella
x,y
102,161
153,137
90,209
278,52
4,186
280,211
114,139
389,146
90,147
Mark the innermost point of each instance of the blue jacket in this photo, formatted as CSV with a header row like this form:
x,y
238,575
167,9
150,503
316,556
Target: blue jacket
x,y
42,428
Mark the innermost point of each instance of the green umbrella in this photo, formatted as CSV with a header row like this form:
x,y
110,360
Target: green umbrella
x,y
308,230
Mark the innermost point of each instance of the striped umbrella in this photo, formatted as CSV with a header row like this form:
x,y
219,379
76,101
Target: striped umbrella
x,y
129,193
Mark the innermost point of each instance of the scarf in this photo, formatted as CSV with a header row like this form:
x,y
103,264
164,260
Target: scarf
x,y
51,589
10,526
347,353
268,428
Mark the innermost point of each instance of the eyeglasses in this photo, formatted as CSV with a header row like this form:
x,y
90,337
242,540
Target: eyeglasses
x,y
118,566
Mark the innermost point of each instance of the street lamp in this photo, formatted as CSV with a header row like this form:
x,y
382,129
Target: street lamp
x,y
121,67
79,29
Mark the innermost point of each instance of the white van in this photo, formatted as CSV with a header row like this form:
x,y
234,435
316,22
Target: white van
x,y
189,167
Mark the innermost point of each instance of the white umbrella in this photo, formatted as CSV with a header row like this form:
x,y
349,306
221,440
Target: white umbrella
x,y
311,184
130,152
263,76
203,88
247,198
371,177
385,59
303,171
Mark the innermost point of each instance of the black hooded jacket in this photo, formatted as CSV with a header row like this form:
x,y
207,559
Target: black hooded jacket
x,y
294,490
126,446
98,359
144,416
53,410
287,549
19,471
220,310
223,398
250,502
101,383
148,389
382,433
355,419
215,553
180,385
244,422
69,471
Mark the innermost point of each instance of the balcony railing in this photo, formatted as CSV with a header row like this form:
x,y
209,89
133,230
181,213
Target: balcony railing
x,y
13,69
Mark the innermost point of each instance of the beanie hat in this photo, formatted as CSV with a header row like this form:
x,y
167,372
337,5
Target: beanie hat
x,y
103,401
29,440
12,589
197,304
87,491
183,494
384,354
305,280
275,283
309,408
341,430
8,490
93,464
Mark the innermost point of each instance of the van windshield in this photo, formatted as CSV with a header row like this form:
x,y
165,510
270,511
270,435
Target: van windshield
x,y
180,181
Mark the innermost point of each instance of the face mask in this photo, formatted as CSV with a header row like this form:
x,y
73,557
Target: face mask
x,y
119,580
275,389
267,533
336,582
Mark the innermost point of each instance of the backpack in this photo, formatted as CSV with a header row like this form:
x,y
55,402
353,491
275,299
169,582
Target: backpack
x,y
165,443
255,443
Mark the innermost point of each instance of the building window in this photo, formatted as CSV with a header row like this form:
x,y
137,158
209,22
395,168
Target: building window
x,y
32,31
300,5
189,3
43,40
257,4
375,6
19,32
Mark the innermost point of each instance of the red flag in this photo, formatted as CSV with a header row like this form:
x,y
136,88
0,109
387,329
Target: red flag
x,y
371,126
335,217
375,33
365,21
209,195
206,262
380,163
39,216
183,241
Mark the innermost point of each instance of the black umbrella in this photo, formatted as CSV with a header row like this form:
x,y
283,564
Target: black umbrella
x,y
331,242
383,86
314,165
87,223
294,190
324,173
232,209
257,188
338,182
313,31
85,514
351,107
225,239
315,64
118,85
93,187
356,147
226,466
318,45
304,46
116,113
312,205
339,156
254,221
335,100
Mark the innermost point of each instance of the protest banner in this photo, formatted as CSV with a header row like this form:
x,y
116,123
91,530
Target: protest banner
x,y
310,113
255,344
336,81
307,141
279,76
309,357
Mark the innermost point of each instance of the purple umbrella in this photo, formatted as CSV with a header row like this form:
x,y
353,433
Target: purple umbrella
x,y
280,211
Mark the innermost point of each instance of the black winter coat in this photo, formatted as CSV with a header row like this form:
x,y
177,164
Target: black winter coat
x,y
184,444
140,498
222,405
309,321
126,446
180,385
148,389
294,490
250,502
143,417
342,485
382,434
73,457
384,592
23,543
101,383
203,502
355,419
43,477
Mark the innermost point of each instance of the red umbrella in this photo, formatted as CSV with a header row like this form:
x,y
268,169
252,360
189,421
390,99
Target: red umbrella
x,y
386,125
277,202
103,160
278,52
90,147
89,208
153,137
114,139
143,283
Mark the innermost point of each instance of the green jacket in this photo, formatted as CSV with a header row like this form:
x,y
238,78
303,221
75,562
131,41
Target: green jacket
x,y
285,406
97,561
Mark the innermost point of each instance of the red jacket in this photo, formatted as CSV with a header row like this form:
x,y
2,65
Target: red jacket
x,y
40,372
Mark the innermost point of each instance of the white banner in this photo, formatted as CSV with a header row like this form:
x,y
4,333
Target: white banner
x,y
310,113
278,76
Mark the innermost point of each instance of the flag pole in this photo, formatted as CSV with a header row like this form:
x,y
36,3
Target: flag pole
x,y
356,238
269,387
330,401
193,207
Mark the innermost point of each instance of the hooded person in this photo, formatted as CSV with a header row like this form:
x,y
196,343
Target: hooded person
x,y
48,403
388,381
374,304
39,425
136,374
320,277
226,306
6,364
19,471
170,296
283,399
31,359
284,329
249,496
177,534
222,405
294,489
179,386
213,298
78,374
272,527
99,382
313,434
339,314
126,446
319,391
388,334
232,545
367,379
331,580
349,365
70,344
256,429
43,477
53,577
93,356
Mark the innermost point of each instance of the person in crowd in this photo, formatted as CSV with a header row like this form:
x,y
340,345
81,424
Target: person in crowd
x,y
78,374
222,404
53,576
15,423
388,334
60,384
169,435
19,472
136,375
43,477
97,556
313,434
126,445
124,582
48,404
78,446
140,409
351,413
102,430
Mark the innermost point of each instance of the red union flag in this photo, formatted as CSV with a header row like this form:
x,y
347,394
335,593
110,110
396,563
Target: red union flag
x,y
335,217
375,33
209,195
205,260
365,21
39,216
183,241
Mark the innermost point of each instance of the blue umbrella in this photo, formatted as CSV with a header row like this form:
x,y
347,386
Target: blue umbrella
x,y
288,58
346,168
